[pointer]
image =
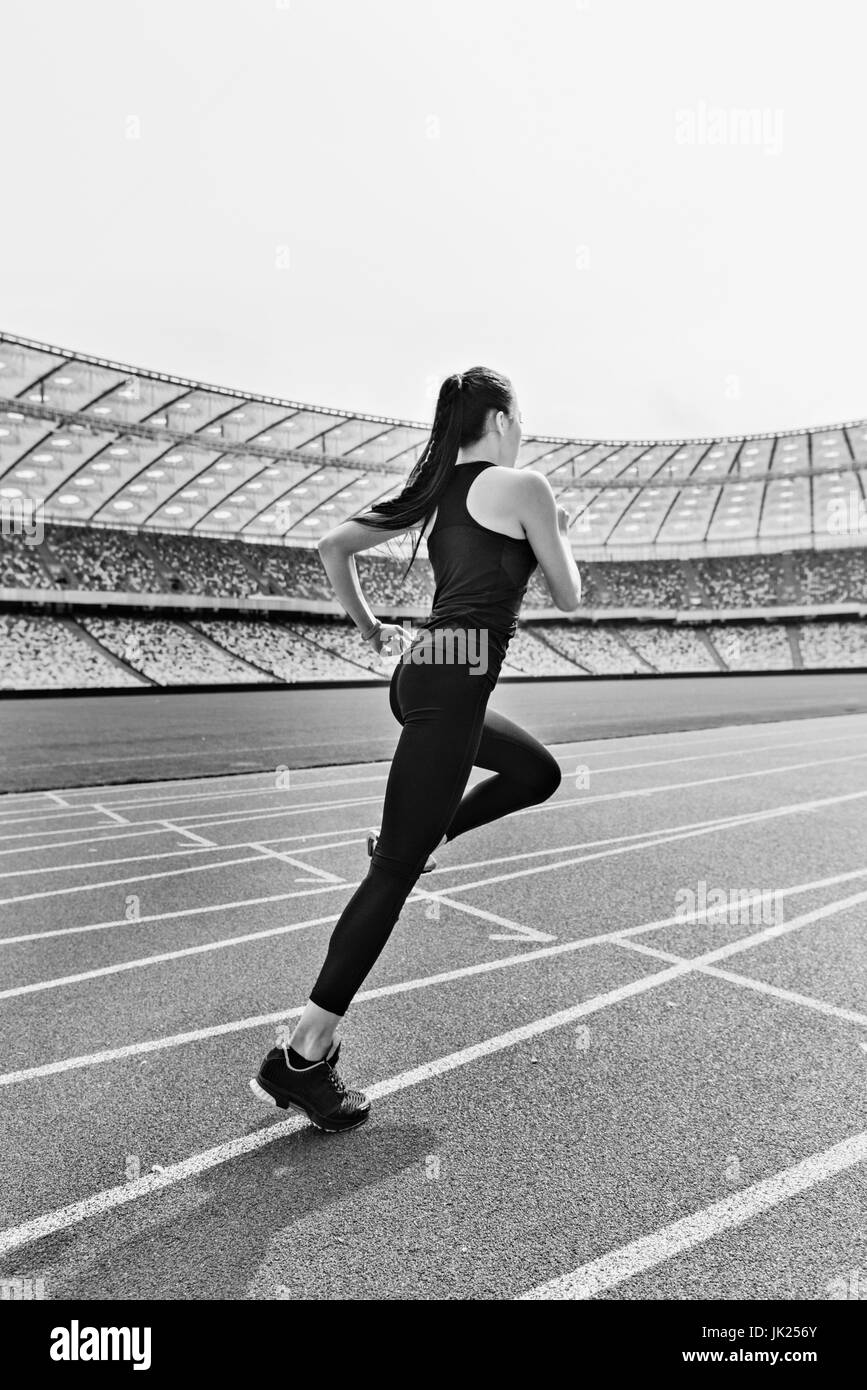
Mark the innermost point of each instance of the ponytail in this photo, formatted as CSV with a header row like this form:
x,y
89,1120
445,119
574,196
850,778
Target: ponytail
x,y
462,408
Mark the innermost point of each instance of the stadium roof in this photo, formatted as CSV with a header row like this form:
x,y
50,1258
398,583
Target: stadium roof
x,y
94,441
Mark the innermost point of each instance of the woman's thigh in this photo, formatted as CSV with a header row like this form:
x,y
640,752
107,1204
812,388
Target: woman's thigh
x,y
507,748
442,710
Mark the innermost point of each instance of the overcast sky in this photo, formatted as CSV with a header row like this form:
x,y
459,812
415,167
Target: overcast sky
x,y
341,202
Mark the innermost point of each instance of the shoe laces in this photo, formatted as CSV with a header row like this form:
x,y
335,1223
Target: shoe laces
x,y
337,1081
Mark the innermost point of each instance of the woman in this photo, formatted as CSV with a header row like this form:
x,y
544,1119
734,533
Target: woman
x,y
488,526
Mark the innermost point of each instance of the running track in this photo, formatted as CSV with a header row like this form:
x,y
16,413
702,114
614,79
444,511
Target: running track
x,y
577,1092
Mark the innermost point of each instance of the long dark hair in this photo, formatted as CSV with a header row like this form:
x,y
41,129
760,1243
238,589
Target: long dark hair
x,y
463,404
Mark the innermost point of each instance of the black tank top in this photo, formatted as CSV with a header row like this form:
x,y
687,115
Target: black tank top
x,y
481,575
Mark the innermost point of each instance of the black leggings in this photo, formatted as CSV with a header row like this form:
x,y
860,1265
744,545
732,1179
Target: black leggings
x,y
447,728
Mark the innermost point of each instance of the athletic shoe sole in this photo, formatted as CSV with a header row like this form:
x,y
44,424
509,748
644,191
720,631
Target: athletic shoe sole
x,y
273,1095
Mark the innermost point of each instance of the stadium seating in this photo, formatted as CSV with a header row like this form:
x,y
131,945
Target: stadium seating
x,y
114,561
530,654
169,653
668,649
117,561
753,647
278,649
42,653
832,644
740,581
20,564
598,651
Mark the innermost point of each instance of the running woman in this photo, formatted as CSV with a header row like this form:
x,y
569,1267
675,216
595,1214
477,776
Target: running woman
x,y
488,525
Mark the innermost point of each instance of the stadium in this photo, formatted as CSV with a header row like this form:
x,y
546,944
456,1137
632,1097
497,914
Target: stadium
x,y
612,1031
159,540
161,533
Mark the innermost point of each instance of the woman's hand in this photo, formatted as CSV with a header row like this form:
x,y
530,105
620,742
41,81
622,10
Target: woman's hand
x,y
390,639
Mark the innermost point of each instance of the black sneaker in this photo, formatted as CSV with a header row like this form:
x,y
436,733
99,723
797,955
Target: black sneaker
x,y
372,838
317,1091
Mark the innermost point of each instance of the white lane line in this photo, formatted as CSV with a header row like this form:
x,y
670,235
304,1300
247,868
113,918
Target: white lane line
x,y
48,814
735,823
623,845
175,913
54,797
303,845
312,871
329,783
448,977
158,828
223,943
516,931
105,811
301,842
172,854
737,1208
121,966
554,804
136,878
190,834
617,1266
626,743
308,849
721,822
789,996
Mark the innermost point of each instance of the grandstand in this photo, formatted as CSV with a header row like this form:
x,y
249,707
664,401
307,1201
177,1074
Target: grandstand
x,y
158,532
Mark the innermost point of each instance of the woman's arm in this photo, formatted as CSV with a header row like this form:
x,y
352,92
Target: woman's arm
x,y
545,525
338,549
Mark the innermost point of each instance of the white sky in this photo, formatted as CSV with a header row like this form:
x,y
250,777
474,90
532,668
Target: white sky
x,y
451,182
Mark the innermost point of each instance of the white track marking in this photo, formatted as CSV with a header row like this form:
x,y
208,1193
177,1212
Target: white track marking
x,y
141,961
617,1266
186,852
197,817
790,996
312,870
667,837
626,743
54,797
553,804
690,1231
632,844
136,878
190,834
721,822
238,793
136,802
158,827
174,914
358,830
461,973
104,811
516,932
736,823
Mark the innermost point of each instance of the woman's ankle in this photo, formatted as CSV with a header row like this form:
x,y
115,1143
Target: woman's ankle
x,y
312,1046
